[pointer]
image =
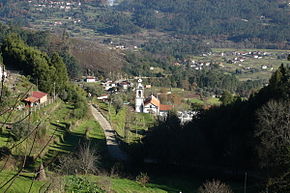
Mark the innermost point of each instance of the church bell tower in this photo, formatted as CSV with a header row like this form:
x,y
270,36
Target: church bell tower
x,y
139,101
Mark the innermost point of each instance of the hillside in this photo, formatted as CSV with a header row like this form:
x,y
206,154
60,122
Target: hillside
x,y
96,57
259,24
216,19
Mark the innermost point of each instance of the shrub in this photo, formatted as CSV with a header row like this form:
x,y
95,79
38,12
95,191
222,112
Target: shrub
x,y
81,185
214,186
19,130
142,179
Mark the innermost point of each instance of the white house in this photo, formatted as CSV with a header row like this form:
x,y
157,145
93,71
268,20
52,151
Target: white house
x,y
109,85
90,79
264,67
103,97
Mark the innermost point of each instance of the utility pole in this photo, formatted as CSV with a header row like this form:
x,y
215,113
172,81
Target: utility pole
x,y
53,90
245,182
110,110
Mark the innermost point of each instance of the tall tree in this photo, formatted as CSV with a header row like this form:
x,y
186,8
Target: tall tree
x,y
60,77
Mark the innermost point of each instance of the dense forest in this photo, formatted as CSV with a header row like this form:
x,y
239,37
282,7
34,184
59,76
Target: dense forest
x,y
239,136
32,55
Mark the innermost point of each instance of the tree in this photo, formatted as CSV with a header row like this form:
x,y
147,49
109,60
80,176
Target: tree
x,y
118,102
60,76
273,133
88,159
20,130
227,98
73,67
31,61
163,141
84,161
214,186
94,89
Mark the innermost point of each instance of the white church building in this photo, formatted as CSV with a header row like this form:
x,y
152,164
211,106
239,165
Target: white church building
x,y
149,105
3,73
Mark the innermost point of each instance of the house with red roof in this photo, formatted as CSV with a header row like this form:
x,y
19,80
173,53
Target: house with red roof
x,y
36,98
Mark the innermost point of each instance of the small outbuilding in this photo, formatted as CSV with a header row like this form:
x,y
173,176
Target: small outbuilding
x,y
35,98
90,79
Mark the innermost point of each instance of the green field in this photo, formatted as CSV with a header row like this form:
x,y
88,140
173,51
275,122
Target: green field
x,y
251,67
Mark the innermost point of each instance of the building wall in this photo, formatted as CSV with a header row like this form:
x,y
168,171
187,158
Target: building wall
x,y
139,105
1,73
43,99
149,108
90,80
139,101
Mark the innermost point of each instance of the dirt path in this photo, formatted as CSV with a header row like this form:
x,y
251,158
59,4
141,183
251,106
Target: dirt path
x,y
111,141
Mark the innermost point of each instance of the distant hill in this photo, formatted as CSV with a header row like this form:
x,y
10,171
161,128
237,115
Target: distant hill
x,y
251,23
255,20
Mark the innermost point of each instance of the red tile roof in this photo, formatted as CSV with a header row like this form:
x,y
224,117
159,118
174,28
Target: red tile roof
x,y
38,94
166,107
31,99
152,99
155,101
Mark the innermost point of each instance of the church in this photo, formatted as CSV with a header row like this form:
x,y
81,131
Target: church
x,y
149,105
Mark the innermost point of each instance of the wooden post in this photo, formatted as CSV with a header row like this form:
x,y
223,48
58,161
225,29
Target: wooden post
x,y
245,182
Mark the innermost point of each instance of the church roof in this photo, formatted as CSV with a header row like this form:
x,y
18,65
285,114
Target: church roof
x,y
166,107
153,100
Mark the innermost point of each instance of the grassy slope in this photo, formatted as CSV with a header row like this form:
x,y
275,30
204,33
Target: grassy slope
x,y
69,137
20,185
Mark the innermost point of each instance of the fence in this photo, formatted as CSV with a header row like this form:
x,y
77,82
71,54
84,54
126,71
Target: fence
x,y
36,107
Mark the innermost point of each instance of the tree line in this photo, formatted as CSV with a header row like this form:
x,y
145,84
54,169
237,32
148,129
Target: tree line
x,y
48,72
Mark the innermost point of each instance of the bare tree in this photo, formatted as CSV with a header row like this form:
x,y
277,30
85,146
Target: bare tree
x,y
273,132
214,186
142,179
84,161
88,159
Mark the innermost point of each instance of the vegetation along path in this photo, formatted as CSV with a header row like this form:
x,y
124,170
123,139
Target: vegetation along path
x,y
111,140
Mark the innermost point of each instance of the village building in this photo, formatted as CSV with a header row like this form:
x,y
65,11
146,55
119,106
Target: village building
x,y
103,97
90,79
109,85
124,85
151,104
36,98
